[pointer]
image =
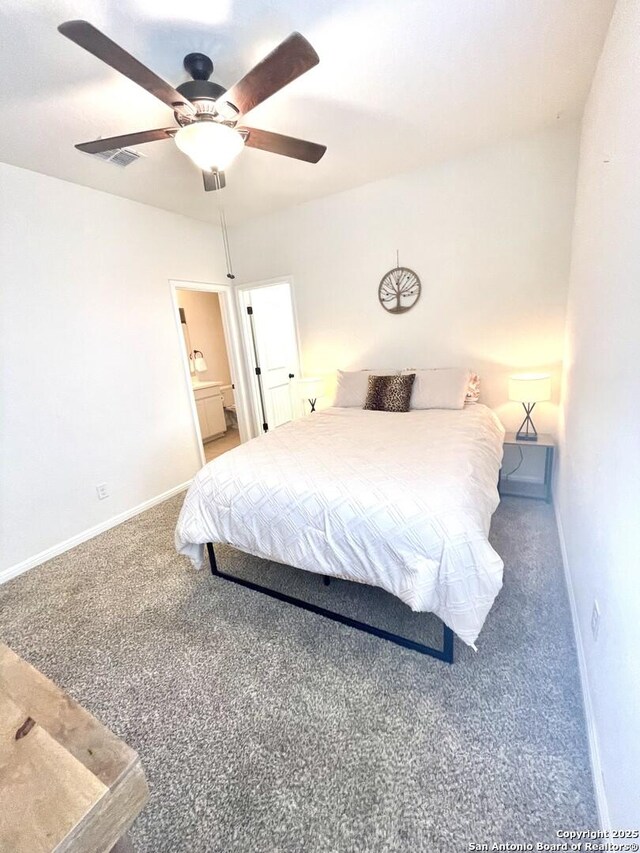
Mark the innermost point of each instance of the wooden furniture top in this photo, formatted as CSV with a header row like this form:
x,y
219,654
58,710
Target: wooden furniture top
x,y
66,782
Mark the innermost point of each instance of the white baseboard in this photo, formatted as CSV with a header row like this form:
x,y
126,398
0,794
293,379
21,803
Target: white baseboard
x,y
594,749
61,547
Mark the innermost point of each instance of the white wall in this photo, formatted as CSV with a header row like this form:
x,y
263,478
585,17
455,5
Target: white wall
x,y
598,495
204,319
489,236
92,386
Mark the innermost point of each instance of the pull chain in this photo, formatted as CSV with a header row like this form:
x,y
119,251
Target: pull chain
x,y
225,243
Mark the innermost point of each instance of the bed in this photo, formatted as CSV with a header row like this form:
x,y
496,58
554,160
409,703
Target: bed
x,y
402,501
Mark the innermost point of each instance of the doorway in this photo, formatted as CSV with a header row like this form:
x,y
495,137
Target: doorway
x,y
211,354
270,335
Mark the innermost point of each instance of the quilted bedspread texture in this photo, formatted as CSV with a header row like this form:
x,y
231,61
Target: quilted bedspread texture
x,y
402,501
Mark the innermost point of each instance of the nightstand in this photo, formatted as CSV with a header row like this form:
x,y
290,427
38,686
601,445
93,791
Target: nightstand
x,y
525,488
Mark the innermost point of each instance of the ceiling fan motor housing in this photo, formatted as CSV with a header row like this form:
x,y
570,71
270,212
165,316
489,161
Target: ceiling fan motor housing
x,y
202,92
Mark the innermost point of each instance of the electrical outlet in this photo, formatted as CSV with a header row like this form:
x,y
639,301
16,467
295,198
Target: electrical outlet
x,y
102,490
595,619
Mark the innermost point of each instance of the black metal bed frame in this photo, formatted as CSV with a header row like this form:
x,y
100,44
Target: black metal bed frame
x,y
444,654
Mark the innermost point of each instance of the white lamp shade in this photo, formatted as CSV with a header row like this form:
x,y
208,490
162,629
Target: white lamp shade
x,y
310,388
200,364
530,387
210,145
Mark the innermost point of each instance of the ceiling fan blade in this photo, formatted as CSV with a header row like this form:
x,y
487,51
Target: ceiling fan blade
x,y
112,142
88,37
289,60
213,181
289,146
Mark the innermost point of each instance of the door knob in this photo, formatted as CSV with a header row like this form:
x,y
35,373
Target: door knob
x,y
291,375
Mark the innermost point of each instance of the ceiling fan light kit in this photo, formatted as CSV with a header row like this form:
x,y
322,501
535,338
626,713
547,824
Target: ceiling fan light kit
x,y
205,112
210,145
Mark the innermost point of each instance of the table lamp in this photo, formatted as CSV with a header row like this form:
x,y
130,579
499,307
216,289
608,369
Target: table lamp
x,y
310,389
529,389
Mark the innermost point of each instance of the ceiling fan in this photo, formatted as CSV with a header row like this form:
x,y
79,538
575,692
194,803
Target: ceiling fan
x,y
206,113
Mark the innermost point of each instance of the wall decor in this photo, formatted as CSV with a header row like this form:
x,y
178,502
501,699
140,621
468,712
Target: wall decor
x,y
399,289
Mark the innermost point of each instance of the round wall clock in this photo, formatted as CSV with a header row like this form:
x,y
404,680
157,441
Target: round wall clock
x,y
399,290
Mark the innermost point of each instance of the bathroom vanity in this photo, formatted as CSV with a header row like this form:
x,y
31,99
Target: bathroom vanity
x,y
210,408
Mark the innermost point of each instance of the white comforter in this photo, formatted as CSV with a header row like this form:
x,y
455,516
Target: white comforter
x,y
400,501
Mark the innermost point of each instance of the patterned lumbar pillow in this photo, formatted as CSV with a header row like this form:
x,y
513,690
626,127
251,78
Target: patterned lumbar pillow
x,y
389,393
473,389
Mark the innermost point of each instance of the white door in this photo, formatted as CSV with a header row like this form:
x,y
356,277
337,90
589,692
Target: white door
x,y
273,351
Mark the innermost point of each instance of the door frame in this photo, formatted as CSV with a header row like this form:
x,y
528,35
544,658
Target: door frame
x,y
233,342
252,379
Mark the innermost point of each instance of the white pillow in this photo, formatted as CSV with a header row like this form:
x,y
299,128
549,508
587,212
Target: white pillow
x,y
441,388
351,391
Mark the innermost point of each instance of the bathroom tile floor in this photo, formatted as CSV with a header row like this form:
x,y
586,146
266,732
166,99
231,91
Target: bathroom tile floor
x,y
215,448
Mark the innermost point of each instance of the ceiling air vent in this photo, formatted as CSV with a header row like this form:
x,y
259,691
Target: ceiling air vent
x,y
118,156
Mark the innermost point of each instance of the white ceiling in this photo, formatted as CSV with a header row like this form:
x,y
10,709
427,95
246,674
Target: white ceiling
x,y
401,83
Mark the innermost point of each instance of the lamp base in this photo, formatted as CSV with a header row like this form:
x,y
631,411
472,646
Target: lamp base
x,y
523,436
524,433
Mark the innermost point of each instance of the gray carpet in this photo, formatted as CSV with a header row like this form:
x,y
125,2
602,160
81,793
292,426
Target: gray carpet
x,y
265,728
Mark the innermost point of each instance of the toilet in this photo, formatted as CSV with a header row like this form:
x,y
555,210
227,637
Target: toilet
x,y
229,403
